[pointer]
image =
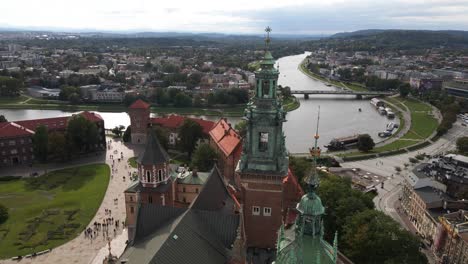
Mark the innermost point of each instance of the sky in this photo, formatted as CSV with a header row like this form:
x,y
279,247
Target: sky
x,y
233,17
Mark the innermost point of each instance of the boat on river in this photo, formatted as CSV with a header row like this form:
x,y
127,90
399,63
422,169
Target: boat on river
x,y
342,143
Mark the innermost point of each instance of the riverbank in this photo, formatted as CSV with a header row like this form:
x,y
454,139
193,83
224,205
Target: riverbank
x,y
26,102
348,86
420,131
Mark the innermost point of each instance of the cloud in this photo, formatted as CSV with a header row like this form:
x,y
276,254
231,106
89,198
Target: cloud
x,y
241,16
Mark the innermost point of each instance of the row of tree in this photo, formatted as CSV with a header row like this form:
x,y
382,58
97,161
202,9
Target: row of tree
x,y
80,136
9,86
365,234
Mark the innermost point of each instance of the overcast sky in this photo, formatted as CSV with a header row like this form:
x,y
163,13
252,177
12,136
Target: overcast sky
x,y
238,16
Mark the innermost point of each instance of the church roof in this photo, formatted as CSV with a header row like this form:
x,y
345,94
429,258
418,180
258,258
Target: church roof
x,y
154,153
139,104
11,129
167,235
225,137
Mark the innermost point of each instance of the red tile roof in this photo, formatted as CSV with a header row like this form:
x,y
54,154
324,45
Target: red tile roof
x,y
225,137
139,104
175,121
291,179
54,123
13,130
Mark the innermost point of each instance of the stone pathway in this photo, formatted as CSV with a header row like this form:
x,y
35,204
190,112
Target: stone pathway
x,y
85,250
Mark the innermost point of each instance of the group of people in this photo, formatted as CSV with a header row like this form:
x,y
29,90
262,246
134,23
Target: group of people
x,y
104,227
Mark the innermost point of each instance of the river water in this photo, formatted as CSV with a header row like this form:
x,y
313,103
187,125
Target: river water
x,y
339,115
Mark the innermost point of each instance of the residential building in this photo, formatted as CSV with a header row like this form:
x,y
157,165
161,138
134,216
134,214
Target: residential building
x,y
451,240
41,92
458,88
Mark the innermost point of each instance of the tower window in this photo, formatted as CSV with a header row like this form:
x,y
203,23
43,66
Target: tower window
x,y
150,199
265,89
160,175
263,142
266,211
148,176
132,210
256,210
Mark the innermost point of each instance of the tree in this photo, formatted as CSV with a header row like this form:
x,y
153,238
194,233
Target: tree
x,y
373,237
57,145
365,143
127,136
182,100
301,167
117,131
41,143
162,136
67,92
3,214
204,157
241,127
9,86
3,119
82,134
404,90
189,134
462,145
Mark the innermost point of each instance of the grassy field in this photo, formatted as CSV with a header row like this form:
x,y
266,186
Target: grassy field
x,y
291,104
50,210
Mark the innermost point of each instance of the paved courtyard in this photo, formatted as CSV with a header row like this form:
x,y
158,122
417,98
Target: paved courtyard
x,y
84,249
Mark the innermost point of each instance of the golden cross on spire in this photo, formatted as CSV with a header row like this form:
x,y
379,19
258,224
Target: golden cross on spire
x,y
267,40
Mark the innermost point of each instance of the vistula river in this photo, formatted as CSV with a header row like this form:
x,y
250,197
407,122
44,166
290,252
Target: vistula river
x,y
339,115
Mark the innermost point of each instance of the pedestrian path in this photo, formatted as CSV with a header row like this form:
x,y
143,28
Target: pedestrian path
x,y
84,249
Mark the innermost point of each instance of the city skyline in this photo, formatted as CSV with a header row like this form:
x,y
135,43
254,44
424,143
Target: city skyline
x,y
245,17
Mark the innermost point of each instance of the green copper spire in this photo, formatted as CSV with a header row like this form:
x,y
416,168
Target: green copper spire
x,y
264,148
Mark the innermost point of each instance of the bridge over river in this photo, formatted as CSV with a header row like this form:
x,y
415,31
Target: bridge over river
x,y
359,94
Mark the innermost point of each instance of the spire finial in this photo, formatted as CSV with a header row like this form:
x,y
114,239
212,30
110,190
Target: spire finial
x,y
313,180
267,40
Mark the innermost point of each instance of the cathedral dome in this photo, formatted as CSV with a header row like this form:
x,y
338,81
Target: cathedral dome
x,y
311,204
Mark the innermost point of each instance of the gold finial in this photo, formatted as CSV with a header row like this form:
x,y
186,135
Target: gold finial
x,y
267,40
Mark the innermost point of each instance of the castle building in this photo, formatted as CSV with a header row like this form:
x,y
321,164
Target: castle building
x,y
263,176
139,113
140,122
16,137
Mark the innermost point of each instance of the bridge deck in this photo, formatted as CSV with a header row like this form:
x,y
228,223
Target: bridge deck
x,y
340,92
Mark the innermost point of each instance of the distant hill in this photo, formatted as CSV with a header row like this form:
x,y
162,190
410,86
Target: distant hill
x,y
398,39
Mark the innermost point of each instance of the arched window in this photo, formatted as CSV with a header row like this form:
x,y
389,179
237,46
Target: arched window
x,y
160,175
148,176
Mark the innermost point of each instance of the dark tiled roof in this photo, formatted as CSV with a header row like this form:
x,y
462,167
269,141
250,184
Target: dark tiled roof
x,y
216,196
167,235
138,187
154,153
154,216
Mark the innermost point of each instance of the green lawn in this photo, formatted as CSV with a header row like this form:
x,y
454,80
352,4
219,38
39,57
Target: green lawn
x,y
50,210
416,105
12,100
132,162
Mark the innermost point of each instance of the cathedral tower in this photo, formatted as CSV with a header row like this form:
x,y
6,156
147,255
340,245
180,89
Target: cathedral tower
x,y
264,162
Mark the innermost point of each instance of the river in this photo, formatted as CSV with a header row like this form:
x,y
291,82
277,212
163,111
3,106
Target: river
x,y
339,115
